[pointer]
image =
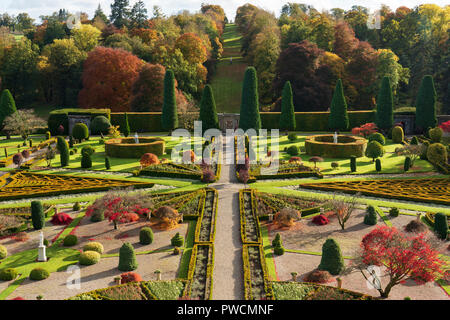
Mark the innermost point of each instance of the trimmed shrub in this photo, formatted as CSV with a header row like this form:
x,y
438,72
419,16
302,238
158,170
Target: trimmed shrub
x,y
318,276
208,176
416,226
441,225
371,218
287,116
87,151
7,105
332,260
97,216
437,153
71,142
88,258
320,220
277,242
334,165
8,274
338,119
377,137
86,162
3,252
353,164
37,215
63,148
378,165
127,258
61,219
292,136
130,277
394,212
293,150
279,250
93,246
176,251
76,206
169,117
414,140
208,113
385,105
436,134
70,240
17,159
426,104
407,164
424,146
100,125
177,240
249,112
80,131
397,134
39,274
374,150
107,163
125,126
145,236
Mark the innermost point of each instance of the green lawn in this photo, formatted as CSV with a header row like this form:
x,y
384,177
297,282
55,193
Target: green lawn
x,y
390,162
227,81
15,144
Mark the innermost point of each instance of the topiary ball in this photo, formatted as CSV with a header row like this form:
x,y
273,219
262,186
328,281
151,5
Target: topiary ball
x,y
437,153
76,206
100,125
70,240
371,218
374,150
394,212
80,131
177,240
39,274
377,137
279,251
86,162
88,258
146,236
93,246
436,134
3,252
293,150
8,274
87,151
397,134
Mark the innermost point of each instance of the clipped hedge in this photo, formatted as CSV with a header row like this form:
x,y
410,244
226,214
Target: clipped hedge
x,y
94,246
3,252
61,117
88,258
347,146
39,274
127,148
8,274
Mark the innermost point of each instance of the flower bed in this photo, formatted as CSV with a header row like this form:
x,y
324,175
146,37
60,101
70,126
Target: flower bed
x,y
250,232
200,272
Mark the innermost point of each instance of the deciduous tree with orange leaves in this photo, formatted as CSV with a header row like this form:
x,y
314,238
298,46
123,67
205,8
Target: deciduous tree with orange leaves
x,y
108,76
192,47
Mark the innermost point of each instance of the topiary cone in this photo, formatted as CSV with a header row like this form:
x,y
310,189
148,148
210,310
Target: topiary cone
x,y
332,260
37,215
441,225
127,258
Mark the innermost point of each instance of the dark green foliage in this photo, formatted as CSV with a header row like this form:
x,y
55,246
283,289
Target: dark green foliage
x,y
276,242
414,140
87,150
146,236
371,218
377,137
394,212
293,150
436,134
441,225
426,104
332,260
97,216
338,119
8,274
7,105
287,117
124,127
425,146
63,148
292,136
127,258
279,250
86,162
76,206
437,153
397,134
169,117
249,114
385,105
100,125
37,215
3,252
107,163
177,240
80,131
378,165
353,164
208,112
374,150
407,164
39,274
71,142
70,240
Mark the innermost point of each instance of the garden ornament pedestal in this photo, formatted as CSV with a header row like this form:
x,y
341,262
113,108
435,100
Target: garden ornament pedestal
x,y
42,257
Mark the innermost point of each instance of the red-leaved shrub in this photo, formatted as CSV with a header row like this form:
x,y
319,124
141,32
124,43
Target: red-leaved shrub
x,y
320,220
130,277
318,276
61,219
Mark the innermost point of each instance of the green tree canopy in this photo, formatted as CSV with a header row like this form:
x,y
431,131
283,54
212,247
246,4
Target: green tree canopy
x,y
426,104
249,117
287,117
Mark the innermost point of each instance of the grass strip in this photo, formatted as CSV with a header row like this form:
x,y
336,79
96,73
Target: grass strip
x,y
268,254
183,269
312,253
13,286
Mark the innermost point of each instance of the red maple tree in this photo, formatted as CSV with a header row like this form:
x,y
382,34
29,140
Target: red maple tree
x,y
402,257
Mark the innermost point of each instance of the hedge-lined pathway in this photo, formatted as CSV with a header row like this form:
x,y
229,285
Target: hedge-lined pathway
x,y
227,274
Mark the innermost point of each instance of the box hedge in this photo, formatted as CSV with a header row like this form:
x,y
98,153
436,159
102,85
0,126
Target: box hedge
x,y
61,117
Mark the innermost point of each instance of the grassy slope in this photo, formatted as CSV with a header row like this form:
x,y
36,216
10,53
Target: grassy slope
x,y
227,82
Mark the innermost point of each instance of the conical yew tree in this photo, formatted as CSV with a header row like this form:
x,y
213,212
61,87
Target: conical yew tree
x,y
287,117
249,117
208,113
7,105
169,117
385,106
426,104
338,119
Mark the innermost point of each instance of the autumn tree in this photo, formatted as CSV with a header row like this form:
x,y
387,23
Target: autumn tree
x,y
108,75
343,208
86,37
192,48
345,41
147,90
401,256
23,123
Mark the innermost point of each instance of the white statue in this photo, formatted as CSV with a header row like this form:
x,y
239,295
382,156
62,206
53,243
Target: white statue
x,y
335,137
42,257
136,137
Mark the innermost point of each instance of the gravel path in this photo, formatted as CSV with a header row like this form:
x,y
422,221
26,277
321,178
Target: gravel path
x,y
227,273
